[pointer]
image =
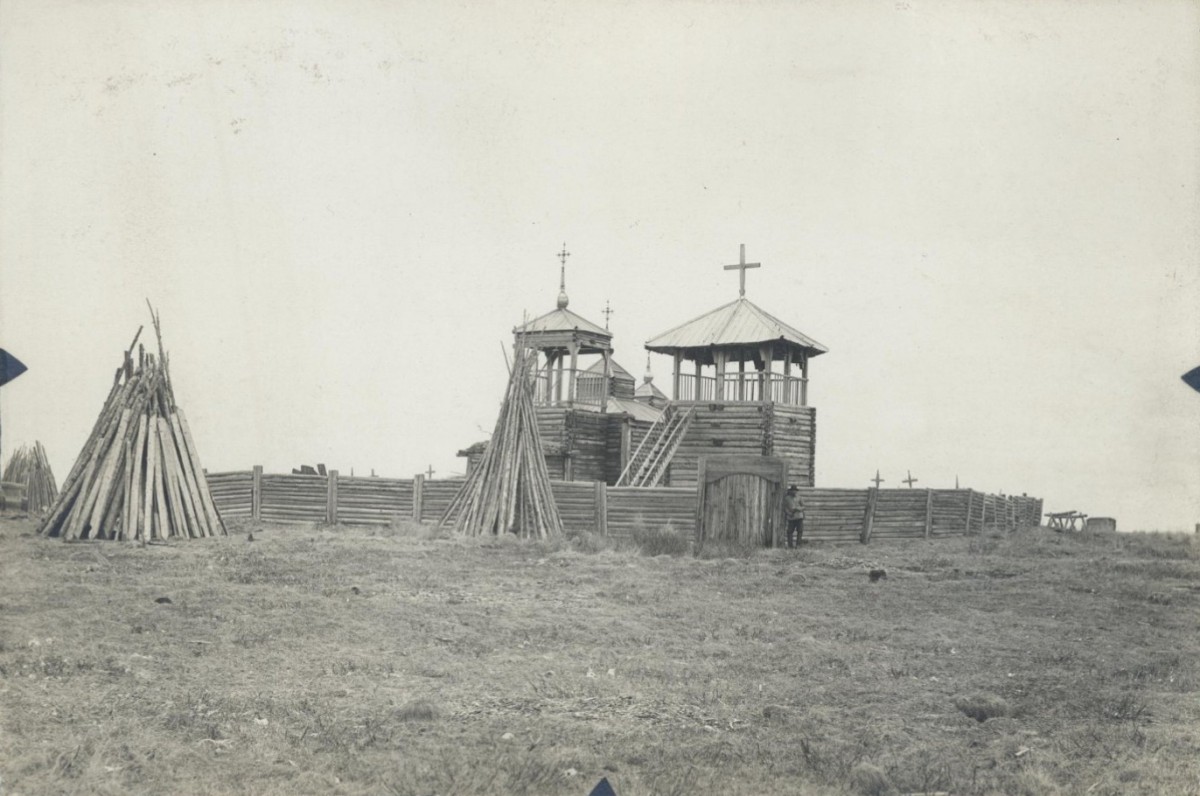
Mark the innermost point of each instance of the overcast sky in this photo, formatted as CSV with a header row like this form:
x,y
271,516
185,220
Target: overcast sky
x,y
989,212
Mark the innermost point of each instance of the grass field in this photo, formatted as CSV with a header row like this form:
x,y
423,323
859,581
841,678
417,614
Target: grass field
x,y
314,660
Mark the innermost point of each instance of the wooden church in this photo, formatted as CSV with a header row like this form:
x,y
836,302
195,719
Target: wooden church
x,y
739,384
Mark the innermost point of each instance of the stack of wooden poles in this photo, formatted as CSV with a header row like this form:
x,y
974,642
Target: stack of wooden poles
x,y
29,467
138,476
509,492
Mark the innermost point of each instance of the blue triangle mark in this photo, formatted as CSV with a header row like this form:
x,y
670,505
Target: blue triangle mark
x,y
603,788
1192,379
10,367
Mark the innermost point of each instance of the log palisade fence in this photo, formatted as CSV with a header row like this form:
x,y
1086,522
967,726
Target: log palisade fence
x,y
832,515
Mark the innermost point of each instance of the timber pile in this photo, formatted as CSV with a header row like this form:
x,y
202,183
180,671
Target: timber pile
x,y
510,489
29,467
138,475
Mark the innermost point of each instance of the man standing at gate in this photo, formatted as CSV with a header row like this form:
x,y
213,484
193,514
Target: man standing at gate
x,y
793,510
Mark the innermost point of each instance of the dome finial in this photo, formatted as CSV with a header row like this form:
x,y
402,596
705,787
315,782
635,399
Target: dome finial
x,y
649,376
562,278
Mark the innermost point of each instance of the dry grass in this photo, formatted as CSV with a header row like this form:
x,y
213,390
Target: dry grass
x,y
389,661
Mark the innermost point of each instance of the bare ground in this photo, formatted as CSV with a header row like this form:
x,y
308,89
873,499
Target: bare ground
x,y
351,661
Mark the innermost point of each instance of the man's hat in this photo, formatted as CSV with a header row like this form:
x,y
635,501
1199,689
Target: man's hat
x,y
792,488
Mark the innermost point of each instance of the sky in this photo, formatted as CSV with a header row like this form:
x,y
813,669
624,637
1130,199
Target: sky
x,y
988,212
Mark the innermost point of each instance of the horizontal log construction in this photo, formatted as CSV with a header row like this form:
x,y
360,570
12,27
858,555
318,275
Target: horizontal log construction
x,y
831,515
232,493
576,501
436,497
630,507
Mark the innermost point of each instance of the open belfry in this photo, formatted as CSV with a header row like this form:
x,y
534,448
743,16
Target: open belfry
x,y
739,385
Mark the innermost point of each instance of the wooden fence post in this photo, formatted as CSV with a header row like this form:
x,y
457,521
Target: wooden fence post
x,y
601,508
970,500
256,494
928,512
331,497
869,515
418,495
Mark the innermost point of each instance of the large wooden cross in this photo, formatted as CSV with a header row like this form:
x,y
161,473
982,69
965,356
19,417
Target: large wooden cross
x,y
742,266
910,480
877,480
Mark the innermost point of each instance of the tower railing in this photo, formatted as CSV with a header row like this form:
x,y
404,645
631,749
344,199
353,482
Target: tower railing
x,y
589,388
752,387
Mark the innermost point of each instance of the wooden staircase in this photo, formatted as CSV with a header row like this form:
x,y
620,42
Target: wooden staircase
x,y
649,462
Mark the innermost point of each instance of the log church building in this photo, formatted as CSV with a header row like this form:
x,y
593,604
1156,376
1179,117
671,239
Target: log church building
x,y
739,384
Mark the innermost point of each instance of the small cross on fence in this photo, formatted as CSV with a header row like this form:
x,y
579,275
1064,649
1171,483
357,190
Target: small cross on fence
x,y
910,480
429,472
877,480
742,266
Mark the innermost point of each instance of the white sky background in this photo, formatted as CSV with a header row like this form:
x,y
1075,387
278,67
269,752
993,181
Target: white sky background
x,y
989,212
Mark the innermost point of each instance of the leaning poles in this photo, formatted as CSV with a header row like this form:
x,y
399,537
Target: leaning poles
x,y
29,466
138,476
509,492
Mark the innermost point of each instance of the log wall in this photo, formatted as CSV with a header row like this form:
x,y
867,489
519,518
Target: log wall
x,y
770,429
793,438
831,515
587,445
232,493
294,498
436,497
576,501
630,507
373,501
719,428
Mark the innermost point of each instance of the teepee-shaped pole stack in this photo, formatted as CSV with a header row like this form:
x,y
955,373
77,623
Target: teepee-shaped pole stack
x,y
138,475
510,489
29,466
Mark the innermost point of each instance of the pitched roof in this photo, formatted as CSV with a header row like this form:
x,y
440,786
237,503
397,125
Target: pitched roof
x,y
561,320
617,370
638,410
740,322
649,388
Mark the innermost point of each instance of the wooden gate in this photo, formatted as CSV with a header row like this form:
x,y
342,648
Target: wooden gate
x,y
740,500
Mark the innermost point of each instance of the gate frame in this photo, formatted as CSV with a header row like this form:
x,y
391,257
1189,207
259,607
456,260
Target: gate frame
x,y
710,469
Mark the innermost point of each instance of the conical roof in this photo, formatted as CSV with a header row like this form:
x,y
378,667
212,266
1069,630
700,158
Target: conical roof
x,y
740,322
561,319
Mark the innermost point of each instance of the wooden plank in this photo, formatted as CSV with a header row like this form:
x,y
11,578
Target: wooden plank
x,y
191,479
418,497
331,497
869,514
174,501
256,493
215,523
601,508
